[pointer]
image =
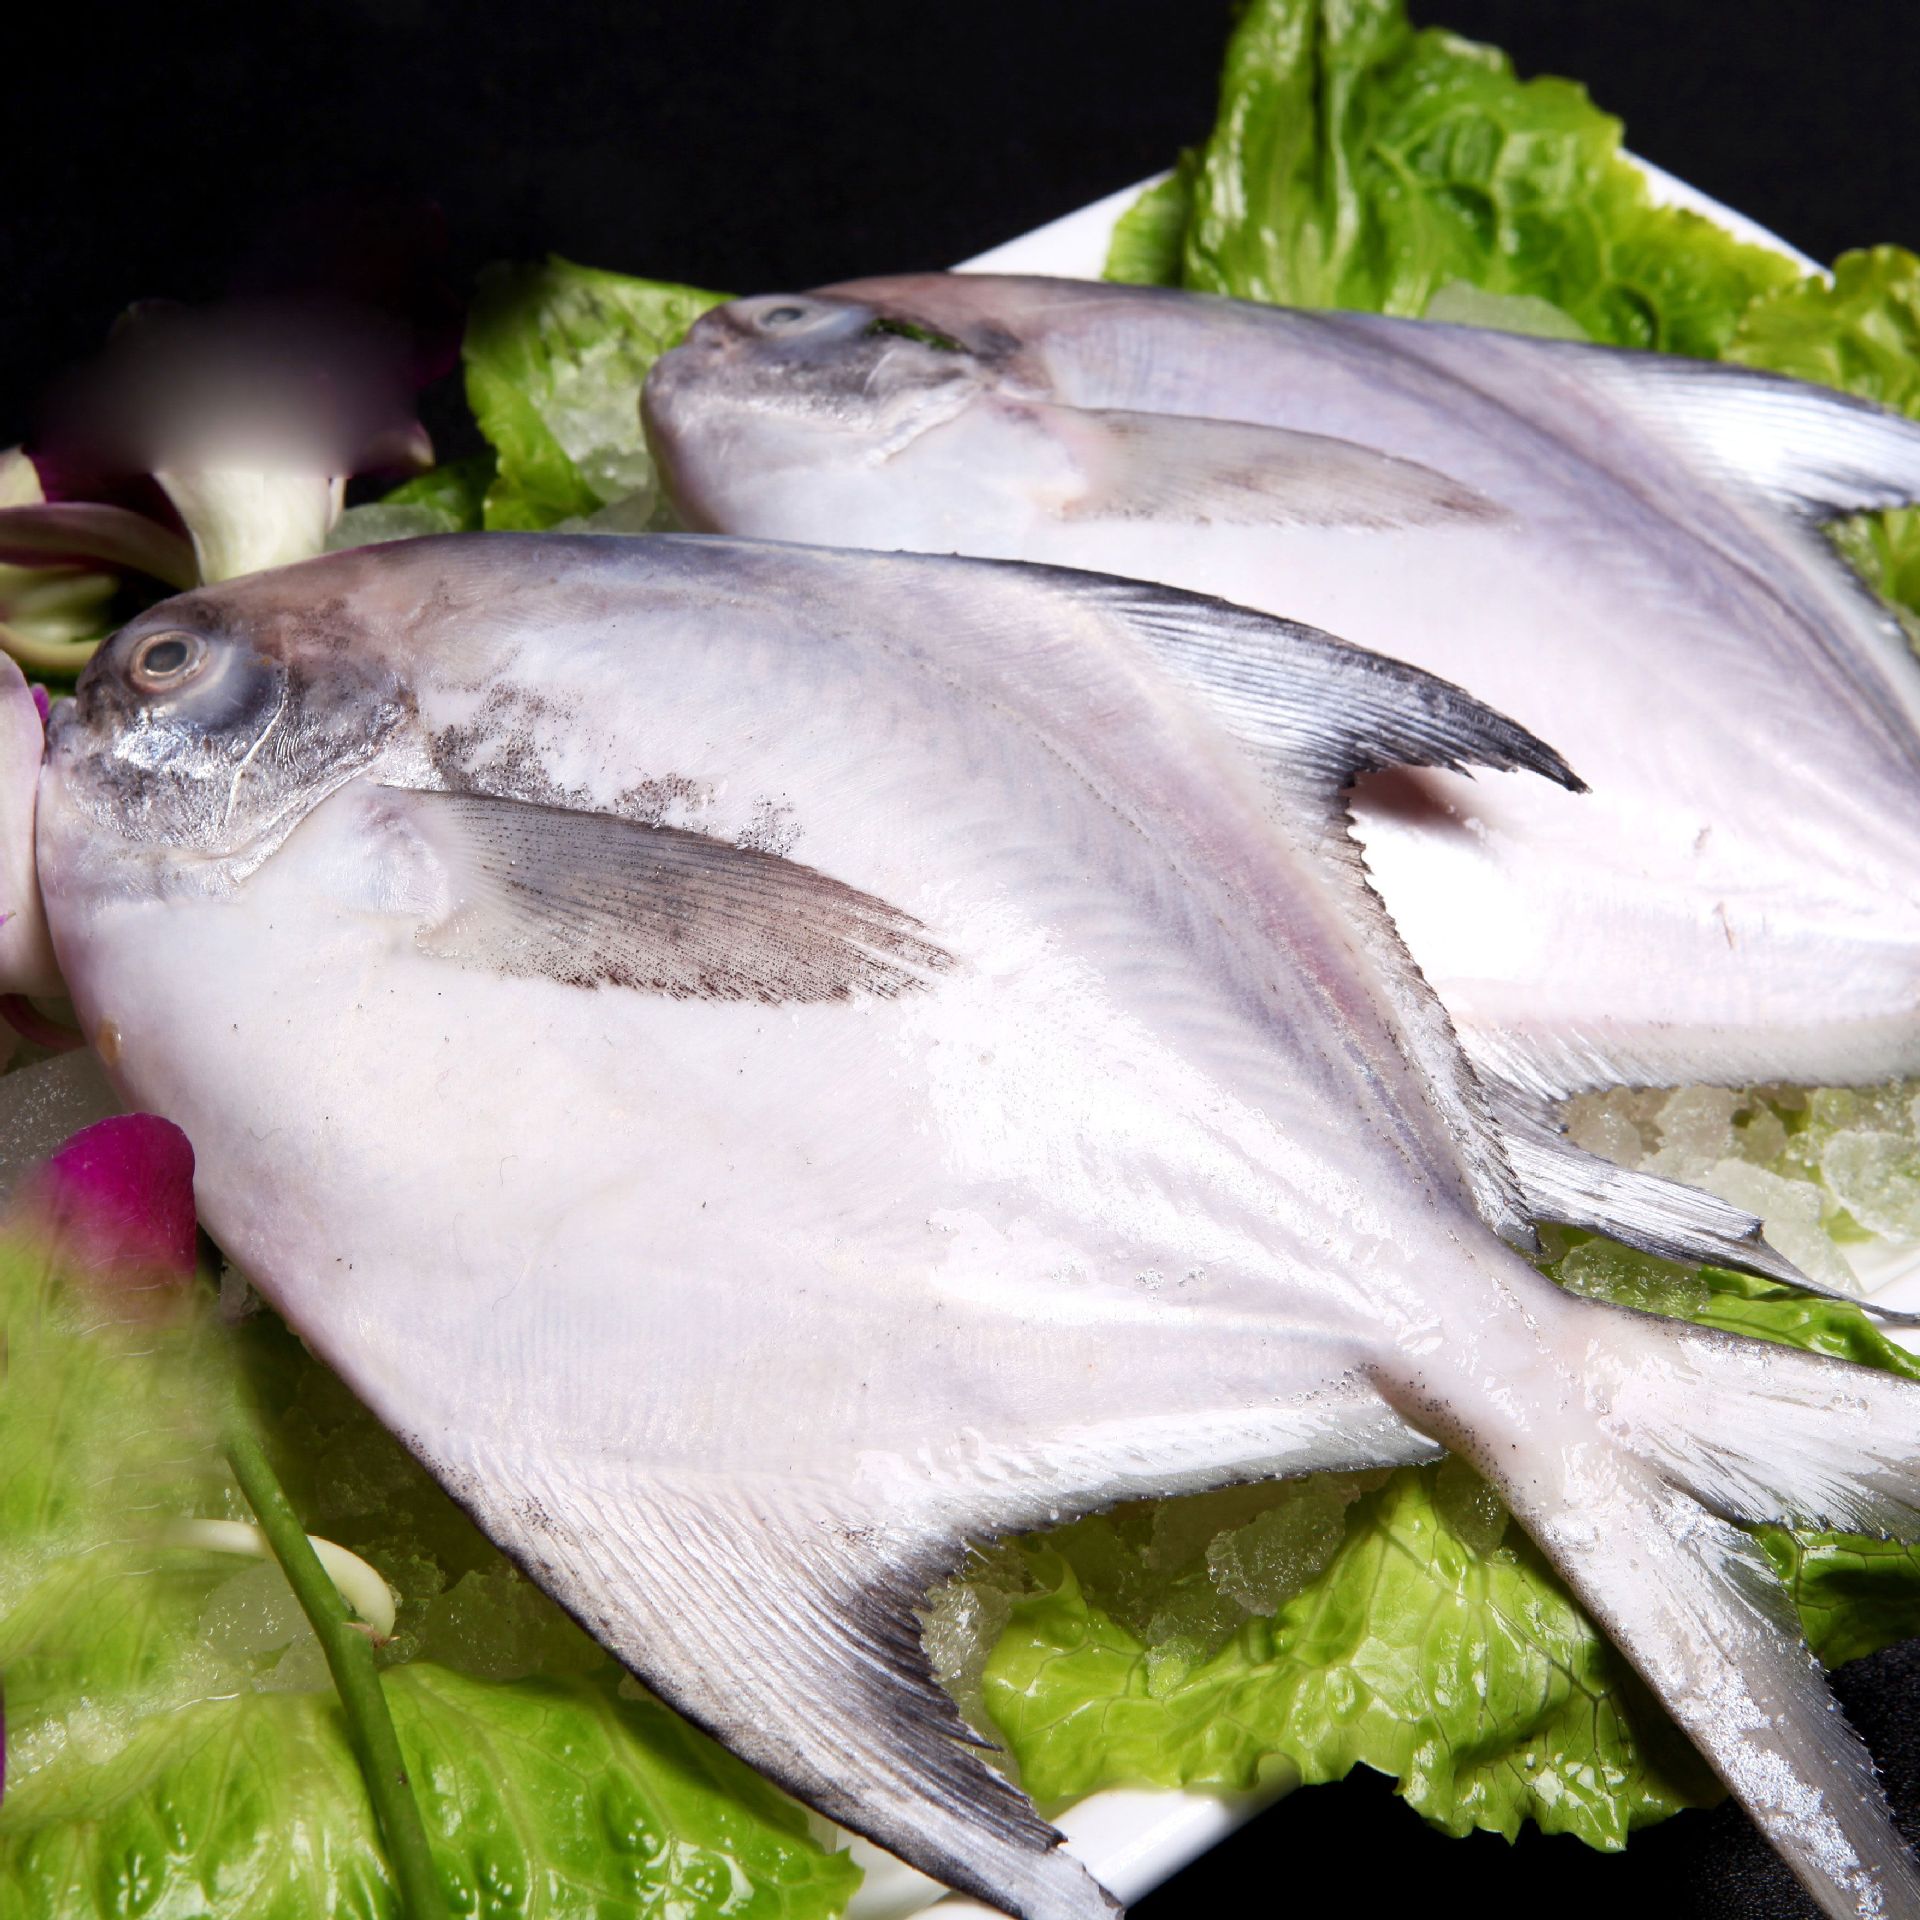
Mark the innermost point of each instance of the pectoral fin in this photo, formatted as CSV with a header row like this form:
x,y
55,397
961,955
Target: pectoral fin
x,y
1164,466
593,899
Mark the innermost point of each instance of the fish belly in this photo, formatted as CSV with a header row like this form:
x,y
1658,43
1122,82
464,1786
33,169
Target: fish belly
x,y
739,1238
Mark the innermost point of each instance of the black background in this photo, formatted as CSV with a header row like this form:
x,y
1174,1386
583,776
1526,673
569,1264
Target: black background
x,y
154,151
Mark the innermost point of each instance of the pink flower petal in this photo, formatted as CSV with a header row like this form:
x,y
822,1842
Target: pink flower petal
x,y
119,1199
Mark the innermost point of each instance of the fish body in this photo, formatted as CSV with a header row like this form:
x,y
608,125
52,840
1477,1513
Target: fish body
x,y
1617,549
763,1065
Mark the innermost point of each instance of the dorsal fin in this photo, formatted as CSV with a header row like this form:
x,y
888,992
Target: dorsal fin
x,y
1811,450
1323,710
1320,713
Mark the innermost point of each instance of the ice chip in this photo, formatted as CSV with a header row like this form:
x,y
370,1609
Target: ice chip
x,y
254,1612
1263,1564
1876,1177
1187,1629
1184,1530
961,1622
1617,1125
1696,1133
301,1669
1791,1211
1760,1134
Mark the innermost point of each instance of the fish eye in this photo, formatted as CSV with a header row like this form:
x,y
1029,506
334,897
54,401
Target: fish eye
x,y
163,661
787,316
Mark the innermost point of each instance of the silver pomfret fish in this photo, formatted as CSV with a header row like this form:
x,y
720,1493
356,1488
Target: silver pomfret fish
x,y
763,1065
1618,549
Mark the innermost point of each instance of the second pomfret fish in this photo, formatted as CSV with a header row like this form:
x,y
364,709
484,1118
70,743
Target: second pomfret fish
x,y
1618,549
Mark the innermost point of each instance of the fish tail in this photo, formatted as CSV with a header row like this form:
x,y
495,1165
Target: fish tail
x,y
1664,1443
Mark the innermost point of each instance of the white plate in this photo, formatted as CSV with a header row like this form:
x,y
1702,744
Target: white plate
x,y
1134,1840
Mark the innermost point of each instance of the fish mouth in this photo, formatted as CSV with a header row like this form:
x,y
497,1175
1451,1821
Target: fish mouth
x,y
63,718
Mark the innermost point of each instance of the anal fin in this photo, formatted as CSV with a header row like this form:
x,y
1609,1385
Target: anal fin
x,y
780,1612
1565,1184
785,1626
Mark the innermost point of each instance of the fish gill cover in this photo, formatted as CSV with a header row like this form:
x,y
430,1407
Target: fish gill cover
x,y
172,1746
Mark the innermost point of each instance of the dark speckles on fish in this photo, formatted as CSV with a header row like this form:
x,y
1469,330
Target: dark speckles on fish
x,y
1062,976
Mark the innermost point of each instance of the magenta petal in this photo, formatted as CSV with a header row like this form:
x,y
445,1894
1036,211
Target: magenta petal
x,y
119,1195
30,1024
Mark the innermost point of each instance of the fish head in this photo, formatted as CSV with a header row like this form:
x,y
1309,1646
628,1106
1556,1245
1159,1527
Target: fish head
x,y
839,420
202,732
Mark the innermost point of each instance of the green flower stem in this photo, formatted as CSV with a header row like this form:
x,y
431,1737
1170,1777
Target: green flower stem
x,y
350,1659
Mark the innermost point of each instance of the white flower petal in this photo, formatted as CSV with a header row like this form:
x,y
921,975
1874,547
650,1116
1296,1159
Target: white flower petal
x,y
244,519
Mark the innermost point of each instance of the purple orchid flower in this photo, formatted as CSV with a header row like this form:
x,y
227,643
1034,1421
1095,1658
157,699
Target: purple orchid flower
x,y
117,1200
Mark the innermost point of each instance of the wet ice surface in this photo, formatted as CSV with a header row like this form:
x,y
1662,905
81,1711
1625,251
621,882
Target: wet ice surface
x,y
1834,1173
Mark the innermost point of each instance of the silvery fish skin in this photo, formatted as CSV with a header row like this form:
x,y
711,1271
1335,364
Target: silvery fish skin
x,y
764,1064
1618,549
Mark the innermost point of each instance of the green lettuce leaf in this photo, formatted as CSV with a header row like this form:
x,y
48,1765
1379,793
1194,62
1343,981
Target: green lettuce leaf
x,y
455,494
173,1743
448,499
1148,248
1360,163
1432,1648
555,356
544,1797
1859,332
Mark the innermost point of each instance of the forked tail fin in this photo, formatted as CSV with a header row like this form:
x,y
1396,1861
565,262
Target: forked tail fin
x,y
1684,1434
